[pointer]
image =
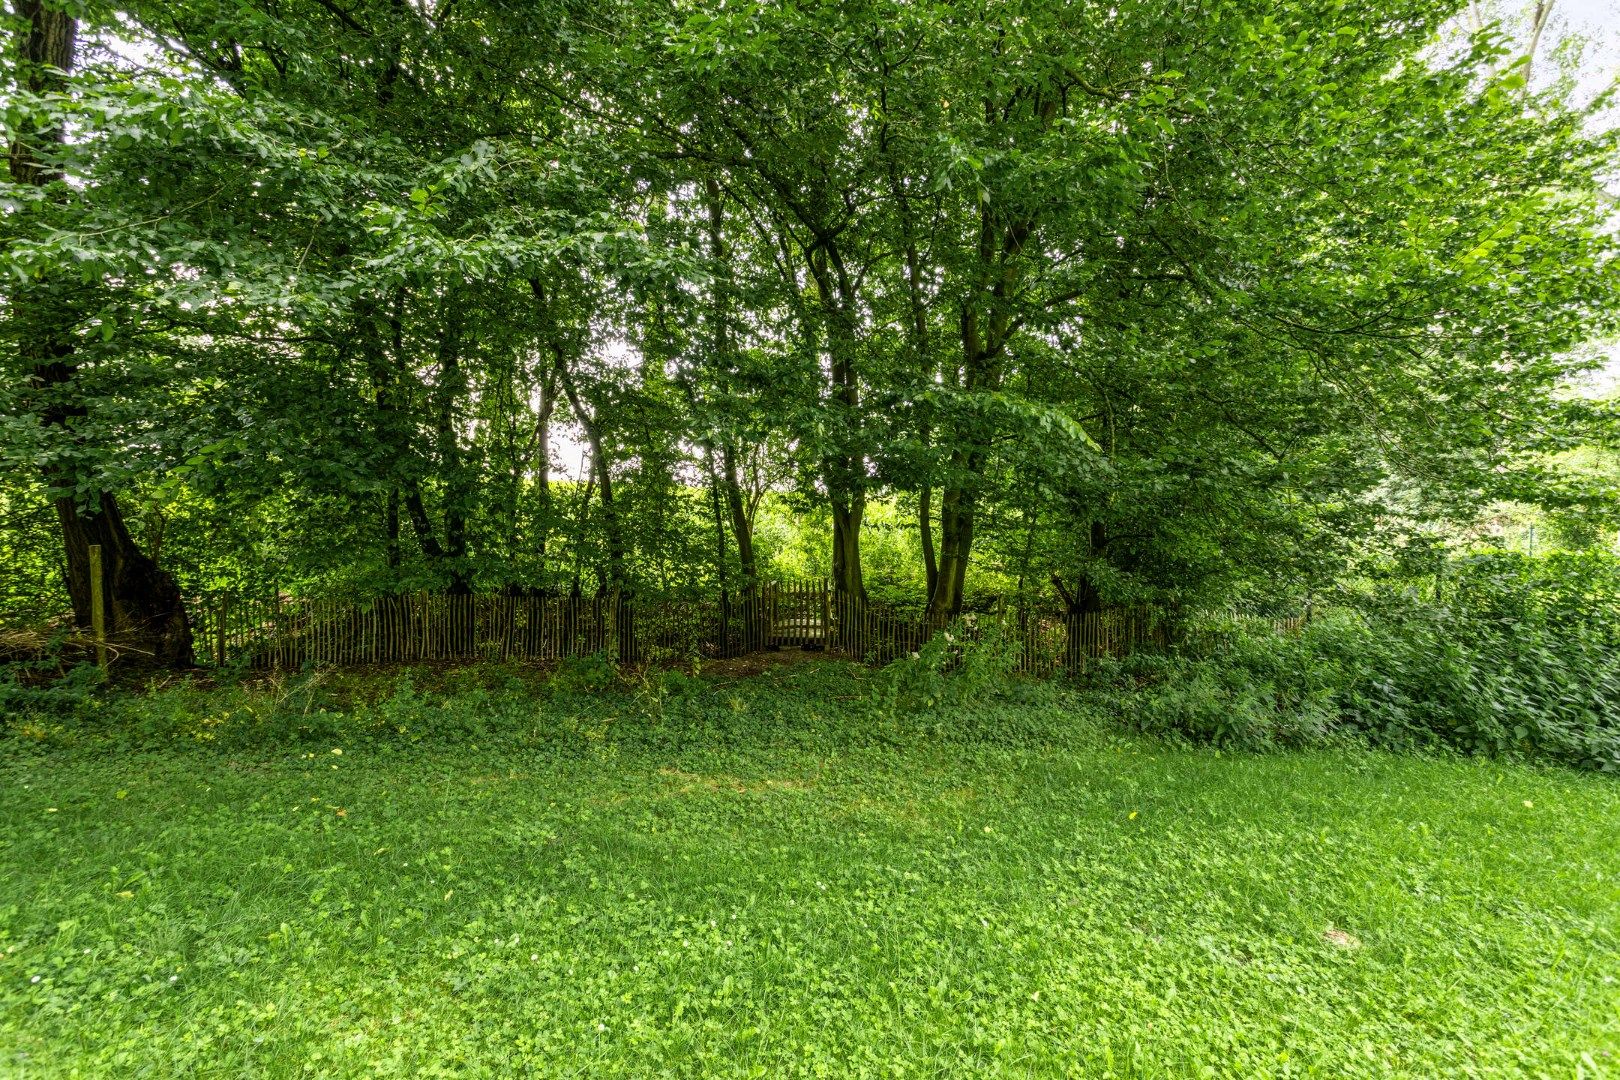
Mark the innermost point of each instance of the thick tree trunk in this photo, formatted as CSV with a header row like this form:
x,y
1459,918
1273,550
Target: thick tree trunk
x,y
846,548
1083,601
958,512
986,324
852,616
47,46
144,611
955,547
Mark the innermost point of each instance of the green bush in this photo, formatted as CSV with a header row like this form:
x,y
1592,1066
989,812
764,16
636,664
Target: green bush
x,y
1518,656
961,662
47,686
1237,687
958,694
1515,656
584,674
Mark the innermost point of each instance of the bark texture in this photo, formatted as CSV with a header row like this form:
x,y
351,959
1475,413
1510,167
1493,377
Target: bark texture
x,y
144,612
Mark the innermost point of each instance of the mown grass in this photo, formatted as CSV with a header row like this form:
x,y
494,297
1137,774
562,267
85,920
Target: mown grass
x,y
750,885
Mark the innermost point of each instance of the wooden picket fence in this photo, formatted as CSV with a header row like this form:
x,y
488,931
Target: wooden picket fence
x,y
289,633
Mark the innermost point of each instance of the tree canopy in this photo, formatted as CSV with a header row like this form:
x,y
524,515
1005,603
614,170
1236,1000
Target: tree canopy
x,y
1097,301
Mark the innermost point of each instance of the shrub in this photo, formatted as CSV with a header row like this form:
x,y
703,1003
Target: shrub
x,y
33,687
1519,656
1236,687
1516,656
960,662
584,674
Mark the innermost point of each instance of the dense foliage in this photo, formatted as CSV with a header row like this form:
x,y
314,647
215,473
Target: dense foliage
x,y
1505,655
1102,302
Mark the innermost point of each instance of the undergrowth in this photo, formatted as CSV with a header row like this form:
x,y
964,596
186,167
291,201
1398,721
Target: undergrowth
x,y
582,705
1514,658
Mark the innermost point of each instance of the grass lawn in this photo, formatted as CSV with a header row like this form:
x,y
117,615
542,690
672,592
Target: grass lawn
x,y
1110,906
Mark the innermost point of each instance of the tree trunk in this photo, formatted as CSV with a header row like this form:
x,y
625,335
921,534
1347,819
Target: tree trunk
x,y
451,553
956,544
391,528
843,470
742,526
719,551
742,529
923,354
719,529
537,456
616,580
452,385
986,325
1085,600
925,531
144,611
846,548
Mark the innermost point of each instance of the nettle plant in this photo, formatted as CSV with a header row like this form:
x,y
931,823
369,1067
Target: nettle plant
x,y
964,661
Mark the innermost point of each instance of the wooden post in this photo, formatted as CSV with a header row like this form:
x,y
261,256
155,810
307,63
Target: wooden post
x,y
826,618
219,630
610,632
98,606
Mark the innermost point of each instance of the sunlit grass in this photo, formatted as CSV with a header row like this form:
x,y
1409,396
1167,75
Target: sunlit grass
x,y
752,908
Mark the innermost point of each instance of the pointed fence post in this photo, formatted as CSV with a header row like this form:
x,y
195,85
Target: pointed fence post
x,y
219,628
826,618
610,633
98,606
